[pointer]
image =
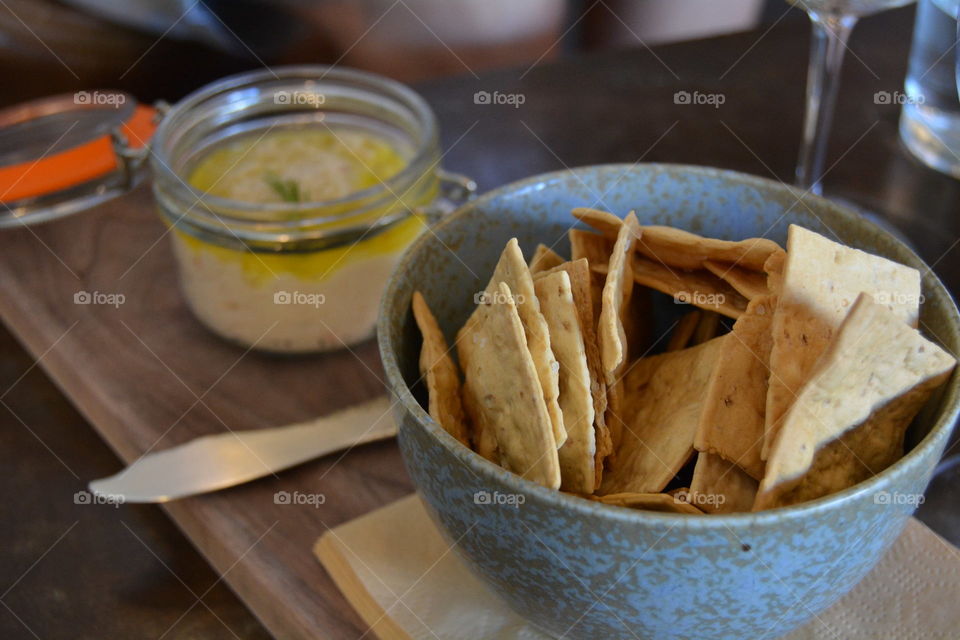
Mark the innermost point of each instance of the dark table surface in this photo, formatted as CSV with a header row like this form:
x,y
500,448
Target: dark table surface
x,y
72,571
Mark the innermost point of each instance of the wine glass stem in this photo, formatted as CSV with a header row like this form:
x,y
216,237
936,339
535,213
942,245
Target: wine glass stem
x,y
829,42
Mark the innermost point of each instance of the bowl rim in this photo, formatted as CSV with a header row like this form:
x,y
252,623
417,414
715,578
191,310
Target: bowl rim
x,y
484,469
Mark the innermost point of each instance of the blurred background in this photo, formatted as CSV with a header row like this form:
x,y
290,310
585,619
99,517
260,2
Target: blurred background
x,y
166,48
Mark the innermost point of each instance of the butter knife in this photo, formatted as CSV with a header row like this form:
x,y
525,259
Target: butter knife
x,y
211,463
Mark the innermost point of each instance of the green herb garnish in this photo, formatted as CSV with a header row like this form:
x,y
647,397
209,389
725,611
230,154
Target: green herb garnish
x,y
288,190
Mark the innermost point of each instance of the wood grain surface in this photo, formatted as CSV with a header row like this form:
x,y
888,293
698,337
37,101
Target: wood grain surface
x,y
148,376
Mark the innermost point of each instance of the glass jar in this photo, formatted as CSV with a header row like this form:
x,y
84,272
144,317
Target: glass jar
x,y
296,277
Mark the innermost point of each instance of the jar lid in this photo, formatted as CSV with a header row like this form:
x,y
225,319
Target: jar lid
x,y
63,154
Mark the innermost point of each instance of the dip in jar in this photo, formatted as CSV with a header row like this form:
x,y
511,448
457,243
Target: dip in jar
x,y
290,195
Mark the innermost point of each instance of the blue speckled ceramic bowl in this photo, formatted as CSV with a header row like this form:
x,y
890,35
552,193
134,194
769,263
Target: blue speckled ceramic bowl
x,y
579,569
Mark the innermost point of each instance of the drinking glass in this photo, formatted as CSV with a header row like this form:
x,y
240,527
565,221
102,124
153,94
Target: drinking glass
x,y
930,119
832,20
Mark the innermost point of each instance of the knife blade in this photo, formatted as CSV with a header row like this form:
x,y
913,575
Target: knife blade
x,y
211,463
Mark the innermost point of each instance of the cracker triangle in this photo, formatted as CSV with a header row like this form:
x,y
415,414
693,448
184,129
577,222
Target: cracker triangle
x,y
544,258
578,453
512,269
719,486
579,273
664,400
746,282
821,281
732,422
504,389
614,307
661,502
440,374
849,420
685,250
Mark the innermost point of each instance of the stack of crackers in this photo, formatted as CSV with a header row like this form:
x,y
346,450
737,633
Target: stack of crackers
x,y
794,374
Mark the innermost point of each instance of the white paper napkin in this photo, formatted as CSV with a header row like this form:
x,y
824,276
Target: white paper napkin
x,y
396,570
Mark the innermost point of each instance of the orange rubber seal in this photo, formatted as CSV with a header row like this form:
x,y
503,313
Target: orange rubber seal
x,y
75,166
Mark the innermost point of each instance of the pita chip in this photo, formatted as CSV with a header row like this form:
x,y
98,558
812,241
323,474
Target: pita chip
x,y
848,422
505,390
698,288
719,486
579,273
440,373
596,250
594,247
578,453
746,282
483,436
661,502
773,267
616,294
610,329
684,250
821,281
637,320
732,422
544,258
664,398
603,221
514,271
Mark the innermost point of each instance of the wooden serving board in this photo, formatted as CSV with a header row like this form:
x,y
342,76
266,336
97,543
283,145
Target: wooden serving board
x,y
148,376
